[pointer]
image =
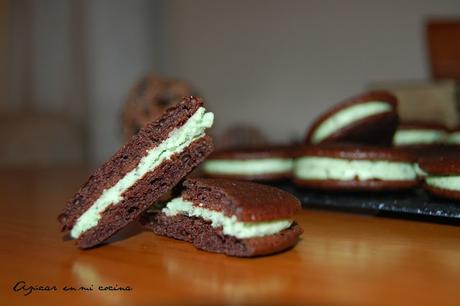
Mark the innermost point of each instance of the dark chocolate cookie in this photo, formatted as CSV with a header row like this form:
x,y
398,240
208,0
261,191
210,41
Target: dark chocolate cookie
x,y
264,163
420,134
370,118
231,217
149,165
352,167
442,175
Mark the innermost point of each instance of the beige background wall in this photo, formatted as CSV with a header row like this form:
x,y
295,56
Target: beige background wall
x,y
279,63
275,64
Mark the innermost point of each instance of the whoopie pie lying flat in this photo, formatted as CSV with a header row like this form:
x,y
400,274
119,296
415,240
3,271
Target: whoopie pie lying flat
x,y
262,164
150,164
370,118
351,167
419,133
232,217
442,175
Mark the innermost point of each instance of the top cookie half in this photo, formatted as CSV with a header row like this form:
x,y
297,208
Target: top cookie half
x,y
370,118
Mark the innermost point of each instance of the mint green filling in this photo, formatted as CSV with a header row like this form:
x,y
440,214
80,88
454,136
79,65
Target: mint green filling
x,y
176,142
444,182
325,168
420,172
347,116
230,225
415,137
454,138
248,166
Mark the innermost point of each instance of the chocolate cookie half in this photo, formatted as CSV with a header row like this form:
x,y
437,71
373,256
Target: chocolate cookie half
x,y
442,175
351,167
261,164
370,118
150,164
231,217
418,133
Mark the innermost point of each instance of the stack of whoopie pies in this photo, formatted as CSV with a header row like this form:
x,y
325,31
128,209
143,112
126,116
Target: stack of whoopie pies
x,y
361,145
349,148
218,215
358,145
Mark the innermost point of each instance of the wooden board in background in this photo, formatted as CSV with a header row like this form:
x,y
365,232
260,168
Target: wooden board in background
x,y
443,39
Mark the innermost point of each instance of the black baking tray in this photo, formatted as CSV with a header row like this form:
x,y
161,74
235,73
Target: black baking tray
x,y
412,204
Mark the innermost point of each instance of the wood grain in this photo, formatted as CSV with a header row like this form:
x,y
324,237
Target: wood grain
x,y
443,39
342,259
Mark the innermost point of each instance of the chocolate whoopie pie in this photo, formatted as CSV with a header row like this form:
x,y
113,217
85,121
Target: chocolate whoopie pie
x,y
261,163
232,217
420,133
370,118
454,137
352,167
150,164
442,175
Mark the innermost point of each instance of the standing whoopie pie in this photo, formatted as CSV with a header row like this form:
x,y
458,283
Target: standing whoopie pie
x,y
442,175
351,167
150,164
261,164
370,118
232,217
420,133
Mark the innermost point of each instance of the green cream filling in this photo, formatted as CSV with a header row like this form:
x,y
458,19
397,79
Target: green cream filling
x,y
325,168
230,225
176,142
444,182
454,138
415,137
420,172
347,116
248,167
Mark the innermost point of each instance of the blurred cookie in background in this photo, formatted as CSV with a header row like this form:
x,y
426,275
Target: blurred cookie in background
x,y
420,133
370,118
454,137
148,99
351,167
442,175
260,163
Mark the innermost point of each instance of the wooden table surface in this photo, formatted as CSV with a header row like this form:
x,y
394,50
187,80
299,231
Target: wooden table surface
x,y
342,259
